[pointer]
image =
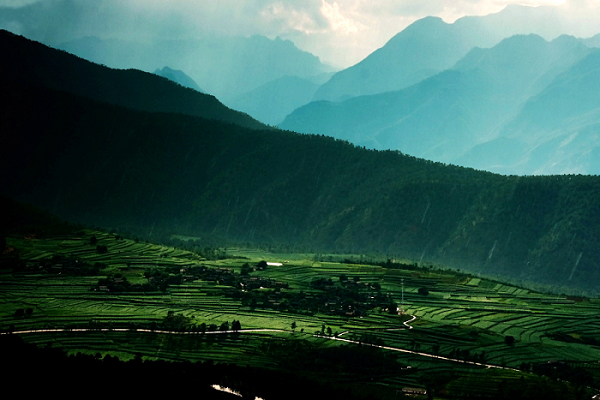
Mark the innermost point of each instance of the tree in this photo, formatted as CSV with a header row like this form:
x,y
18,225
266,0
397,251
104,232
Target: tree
x,y
423,291
509,340
245,270
294,325
393,307
236,325
261,265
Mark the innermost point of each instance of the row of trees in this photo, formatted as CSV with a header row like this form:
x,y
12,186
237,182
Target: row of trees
x,y
171,322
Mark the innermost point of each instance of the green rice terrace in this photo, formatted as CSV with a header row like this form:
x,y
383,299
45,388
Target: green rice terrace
x,y
388,328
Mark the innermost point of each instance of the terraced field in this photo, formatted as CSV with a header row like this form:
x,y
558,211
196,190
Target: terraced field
x,y
461,322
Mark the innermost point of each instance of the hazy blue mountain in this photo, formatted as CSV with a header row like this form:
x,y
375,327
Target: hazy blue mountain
x,y
33,63
423,49
556,131
524,64
594,41
430,45
274,100
179,77
155,174
546,21
223,66
444,116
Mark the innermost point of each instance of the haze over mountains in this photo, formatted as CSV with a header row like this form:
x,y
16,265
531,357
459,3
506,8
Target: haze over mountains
x,y
275,82
430,46
463,115
471,93
153,172
30,63
225,67
179,77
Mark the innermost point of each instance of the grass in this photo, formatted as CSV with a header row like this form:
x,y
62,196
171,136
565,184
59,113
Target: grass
x,y
460,313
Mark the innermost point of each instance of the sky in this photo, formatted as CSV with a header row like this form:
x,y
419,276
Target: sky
x,y
340,32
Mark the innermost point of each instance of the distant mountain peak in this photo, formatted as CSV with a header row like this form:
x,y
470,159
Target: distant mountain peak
x,y
517,89
179,77
23,59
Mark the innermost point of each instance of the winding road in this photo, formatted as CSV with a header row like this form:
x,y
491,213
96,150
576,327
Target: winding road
x,y
339,338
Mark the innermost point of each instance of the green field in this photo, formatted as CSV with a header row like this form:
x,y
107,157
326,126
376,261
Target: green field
x,y
467,331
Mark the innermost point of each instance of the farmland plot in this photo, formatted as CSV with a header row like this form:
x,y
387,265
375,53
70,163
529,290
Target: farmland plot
x,y
461,319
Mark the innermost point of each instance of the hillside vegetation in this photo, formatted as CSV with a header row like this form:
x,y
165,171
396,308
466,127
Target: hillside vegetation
x,y
371,328
157,174
31,63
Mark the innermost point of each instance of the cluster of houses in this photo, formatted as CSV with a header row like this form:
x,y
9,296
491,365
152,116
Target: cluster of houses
x,y
349,298
227,277
60,264
352,300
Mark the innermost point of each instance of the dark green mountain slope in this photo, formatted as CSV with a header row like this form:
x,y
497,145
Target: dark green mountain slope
x,y
35,64
23,219
157,173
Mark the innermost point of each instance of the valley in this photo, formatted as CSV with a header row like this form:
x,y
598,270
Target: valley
x,y
428,320
424,224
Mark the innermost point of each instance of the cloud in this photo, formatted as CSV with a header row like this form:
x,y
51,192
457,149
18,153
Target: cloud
x,y
292,16
339,31
339,22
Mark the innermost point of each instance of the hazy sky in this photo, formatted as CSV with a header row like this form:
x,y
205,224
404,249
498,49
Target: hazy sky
x,y
340,32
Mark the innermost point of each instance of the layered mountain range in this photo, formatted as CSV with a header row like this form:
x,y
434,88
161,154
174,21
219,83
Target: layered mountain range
x,y
32,64
456,92
123,150
430,45
179,77
226,67
524,106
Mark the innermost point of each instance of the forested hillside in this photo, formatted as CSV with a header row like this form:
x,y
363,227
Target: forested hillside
x,y
154,174
157,173
32,63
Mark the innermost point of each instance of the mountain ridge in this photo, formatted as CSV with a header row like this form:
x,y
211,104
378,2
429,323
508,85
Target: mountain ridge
x,y
158,173
178,76
419,51
447,115
225,67
430,45
33,63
